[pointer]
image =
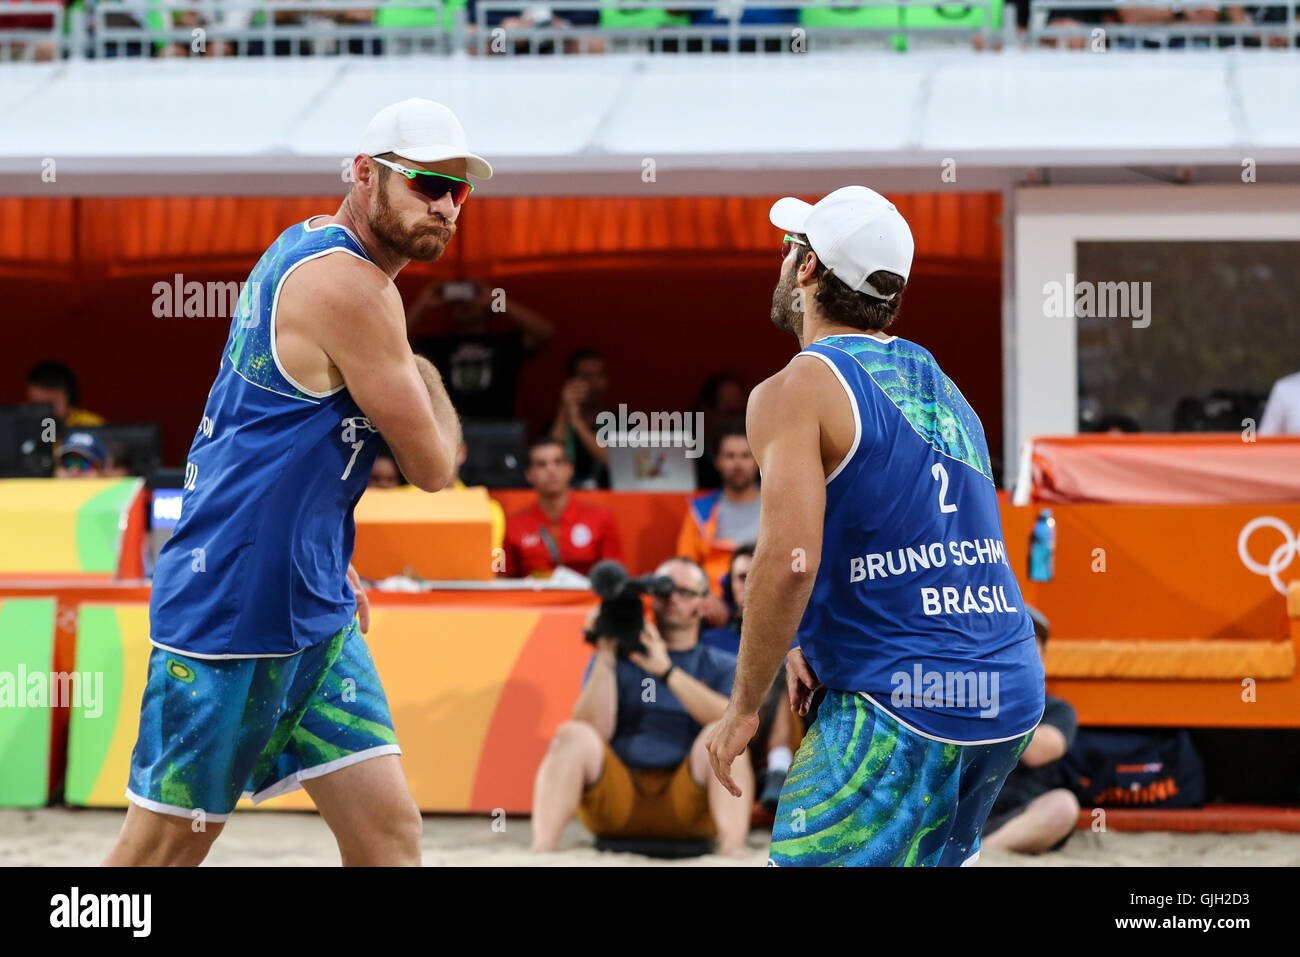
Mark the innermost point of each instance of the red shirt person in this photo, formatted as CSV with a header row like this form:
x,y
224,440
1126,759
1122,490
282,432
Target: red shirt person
x,y
557,530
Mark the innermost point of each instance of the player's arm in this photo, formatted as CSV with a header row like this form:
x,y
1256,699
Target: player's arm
x,y
784,429
443,410
362,328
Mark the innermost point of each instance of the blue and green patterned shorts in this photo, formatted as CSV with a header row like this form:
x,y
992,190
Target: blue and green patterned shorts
x,y
865,791
213,730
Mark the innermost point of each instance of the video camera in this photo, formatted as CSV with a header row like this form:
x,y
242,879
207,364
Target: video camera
x,y
621,615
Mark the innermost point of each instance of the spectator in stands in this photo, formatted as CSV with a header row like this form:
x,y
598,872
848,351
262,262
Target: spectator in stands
x,y
480,342
717,522
557,531
722,402
53,382
770,749
631,762
749,17
41,50
119,462
82,455
1032,814
385,473
582,398
538,16
1282,411
727,636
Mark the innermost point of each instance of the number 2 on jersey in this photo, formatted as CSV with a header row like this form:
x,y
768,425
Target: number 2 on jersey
x,y
941,476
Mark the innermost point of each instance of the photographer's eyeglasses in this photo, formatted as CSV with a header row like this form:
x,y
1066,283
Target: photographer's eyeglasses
x,y
688,593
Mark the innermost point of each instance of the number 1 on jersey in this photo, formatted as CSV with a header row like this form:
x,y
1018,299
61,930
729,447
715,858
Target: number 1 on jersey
x,y
941,476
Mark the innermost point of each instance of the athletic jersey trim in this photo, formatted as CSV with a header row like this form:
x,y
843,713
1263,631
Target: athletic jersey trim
x,y
934,737
857,417
301,398
909,422
195,654
275,304
308,227
854,335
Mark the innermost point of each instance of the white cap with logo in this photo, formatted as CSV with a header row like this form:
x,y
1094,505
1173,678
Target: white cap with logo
x,y
854,231
422,131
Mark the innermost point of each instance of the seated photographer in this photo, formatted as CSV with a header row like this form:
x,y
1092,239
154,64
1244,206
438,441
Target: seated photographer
x,y
1032,813
632,761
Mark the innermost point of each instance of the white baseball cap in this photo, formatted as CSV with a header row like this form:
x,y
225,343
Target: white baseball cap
x,y
854,231
422,131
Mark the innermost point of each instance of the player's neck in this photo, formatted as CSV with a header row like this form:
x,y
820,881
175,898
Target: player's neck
x,y
374,249
815,329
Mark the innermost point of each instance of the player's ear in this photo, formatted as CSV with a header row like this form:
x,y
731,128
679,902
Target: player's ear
x,y
808,266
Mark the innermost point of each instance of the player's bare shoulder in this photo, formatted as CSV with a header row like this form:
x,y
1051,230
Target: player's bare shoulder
x,y
806,395
804,389
342,290
329,305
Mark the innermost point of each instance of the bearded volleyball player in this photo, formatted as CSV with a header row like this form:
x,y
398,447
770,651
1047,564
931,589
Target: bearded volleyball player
x,y
880,550
259,680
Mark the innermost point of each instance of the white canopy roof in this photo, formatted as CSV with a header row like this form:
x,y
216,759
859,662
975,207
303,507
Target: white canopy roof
x,y
711,123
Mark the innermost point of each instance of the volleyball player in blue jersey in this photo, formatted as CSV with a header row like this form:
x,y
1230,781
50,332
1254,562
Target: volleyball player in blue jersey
x,y
259,680
880,551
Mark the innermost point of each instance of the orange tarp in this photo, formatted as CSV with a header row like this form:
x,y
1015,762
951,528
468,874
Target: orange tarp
x,y
122,233
1183,469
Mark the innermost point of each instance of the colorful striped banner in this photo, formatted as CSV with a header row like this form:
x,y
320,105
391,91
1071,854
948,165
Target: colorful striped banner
x,y
61,527
475,694
26,711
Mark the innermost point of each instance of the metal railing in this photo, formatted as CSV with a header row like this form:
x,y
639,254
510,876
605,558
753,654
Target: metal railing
x,y
250,28
727,32
287,28
32,42
1047,25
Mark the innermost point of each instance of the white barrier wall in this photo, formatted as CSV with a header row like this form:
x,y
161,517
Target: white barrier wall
x,y
1040,345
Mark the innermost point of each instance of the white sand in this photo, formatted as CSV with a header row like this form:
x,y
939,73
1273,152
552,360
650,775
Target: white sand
x,y
67,836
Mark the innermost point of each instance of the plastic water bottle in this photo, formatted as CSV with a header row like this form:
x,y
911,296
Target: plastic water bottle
x,y
1042,548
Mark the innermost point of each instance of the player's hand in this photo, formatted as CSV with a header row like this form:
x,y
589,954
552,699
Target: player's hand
x,y
363,602
655,660
800,681
731,736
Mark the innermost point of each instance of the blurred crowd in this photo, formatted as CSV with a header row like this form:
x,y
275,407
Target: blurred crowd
x,y
316,30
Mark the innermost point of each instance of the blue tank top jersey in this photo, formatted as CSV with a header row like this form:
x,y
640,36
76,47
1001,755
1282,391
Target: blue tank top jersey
x,y
915,604
257,564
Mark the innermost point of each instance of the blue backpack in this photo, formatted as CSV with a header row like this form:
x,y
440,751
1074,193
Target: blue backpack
x,y
1143,768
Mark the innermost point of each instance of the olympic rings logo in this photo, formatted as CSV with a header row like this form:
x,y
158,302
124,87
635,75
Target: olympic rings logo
x,y
1282,555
